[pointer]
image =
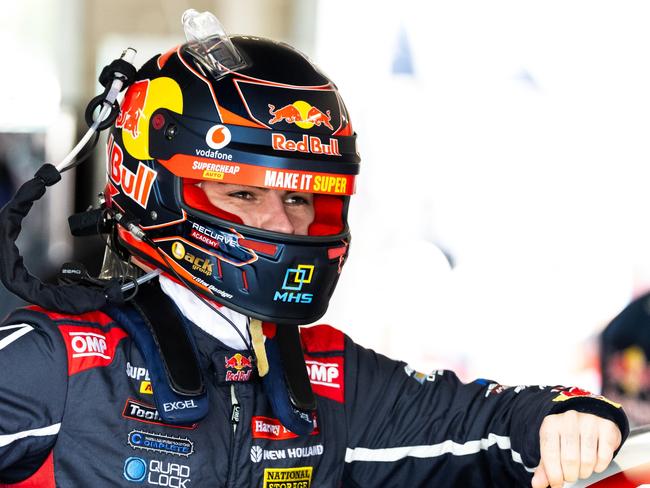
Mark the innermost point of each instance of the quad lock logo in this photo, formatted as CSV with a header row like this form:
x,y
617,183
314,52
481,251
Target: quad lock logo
x,y
202,265
294,279
156,472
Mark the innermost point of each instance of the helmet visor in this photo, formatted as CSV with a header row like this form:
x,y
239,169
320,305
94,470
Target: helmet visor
x,y
266,209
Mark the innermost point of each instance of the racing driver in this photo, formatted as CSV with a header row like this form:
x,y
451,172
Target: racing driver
x,y
230,170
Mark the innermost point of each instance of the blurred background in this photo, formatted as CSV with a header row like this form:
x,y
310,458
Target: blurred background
x,y
501,219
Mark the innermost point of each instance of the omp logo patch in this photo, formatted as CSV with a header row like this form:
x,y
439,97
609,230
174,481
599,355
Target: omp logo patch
x,y
89,347
326,377
288,477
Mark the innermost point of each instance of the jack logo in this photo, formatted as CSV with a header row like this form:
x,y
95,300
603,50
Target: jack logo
x,y
294,279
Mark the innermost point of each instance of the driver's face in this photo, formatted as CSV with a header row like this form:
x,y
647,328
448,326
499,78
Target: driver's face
x,y
274,210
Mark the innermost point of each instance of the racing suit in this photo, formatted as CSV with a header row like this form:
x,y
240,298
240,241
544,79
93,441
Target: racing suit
x,y
76,410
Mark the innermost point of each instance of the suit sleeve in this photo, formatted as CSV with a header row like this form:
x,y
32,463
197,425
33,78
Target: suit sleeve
x,y
33,387
410,429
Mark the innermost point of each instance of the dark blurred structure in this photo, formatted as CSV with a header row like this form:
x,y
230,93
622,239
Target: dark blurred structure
x,y
625,360
20,155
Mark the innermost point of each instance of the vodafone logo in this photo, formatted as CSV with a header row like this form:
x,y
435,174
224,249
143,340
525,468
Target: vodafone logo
x,y
88,344
218,136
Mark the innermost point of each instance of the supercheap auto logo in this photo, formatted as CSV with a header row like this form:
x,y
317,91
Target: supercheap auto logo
x,y
294,279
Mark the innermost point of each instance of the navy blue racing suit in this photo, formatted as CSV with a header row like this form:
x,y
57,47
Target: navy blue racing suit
x,y
76,410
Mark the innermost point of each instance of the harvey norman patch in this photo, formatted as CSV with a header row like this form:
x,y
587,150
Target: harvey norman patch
x,y
288,477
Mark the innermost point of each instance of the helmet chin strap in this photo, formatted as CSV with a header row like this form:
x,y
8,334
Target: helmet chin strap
x,y
281,365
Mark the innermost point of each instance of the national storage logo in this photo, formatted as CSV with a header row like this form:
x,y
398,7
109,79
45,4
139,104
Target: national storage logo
x,y
288,477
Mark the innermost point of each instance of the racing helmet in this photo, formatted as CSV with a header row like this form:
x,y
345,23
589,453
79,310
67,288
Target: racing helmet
x,y
240,110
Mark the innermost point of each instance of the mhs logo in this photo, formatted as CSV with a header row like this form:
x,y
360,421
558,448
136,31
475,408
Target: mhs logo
x,y
294,279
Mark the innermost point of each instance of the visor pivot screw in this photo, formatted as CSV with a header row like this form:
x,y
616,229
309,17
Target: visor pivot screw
x,y
158,121
153,215
171,132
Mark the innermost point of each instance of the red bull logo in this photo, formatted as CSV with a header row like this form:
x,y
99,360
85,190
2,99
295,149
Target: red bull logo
x,y
137,186
239,363
302,114
133,108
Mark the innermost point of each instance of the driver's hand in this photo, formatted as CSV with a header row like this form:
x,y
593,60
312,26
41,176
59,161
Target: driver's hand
x,y
573,445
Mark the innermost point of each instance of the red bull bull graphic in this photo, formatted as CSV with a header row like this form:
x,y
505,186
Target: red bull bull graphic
x,y
571,392
317,109
302,114
132,108
243,366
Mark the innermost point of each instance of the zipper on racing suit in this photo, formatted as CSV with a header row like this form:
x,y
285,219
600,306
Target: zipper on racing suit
x,y
235,411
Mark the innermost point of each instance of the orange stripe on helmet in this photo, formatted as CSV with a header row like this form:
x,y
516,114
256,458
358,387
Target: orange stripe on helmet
x,y
186,166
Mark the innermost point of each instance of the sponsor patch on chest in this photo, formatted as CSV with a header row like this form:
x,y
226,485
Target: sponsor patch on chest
x,y
89,347
166,444
326,377
143,412
288,477
270,428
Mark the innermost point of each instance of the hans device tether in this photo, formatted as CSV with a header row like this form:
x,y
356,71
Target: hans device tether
x,y
67,298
